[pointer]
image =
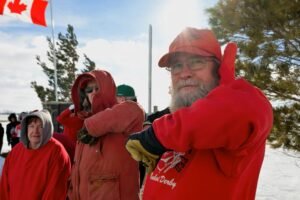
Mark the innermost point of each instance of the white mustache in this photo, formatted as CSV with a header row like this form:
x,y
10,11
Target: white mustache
x,y
188,82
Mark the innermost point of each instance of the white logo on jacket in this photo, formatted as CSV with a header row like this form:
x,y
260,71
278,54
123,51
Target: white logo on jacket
x,y
163,180
169,160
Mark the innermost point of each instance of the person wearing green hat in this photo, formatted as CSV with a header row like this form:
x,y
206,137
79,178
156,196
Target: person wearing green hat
x,y
125,92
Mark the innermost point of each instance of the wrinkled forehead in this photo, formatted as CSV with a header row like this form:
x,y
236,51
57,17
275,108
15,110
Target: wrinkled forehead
x,y
182,55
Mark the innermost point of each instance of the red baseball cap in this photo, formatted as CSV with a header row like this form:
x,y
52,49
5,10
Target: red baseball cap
x,y
194,41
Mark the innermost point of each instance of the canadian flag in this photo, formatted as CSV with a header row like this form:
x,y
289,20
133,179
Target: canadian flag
x,y
32,11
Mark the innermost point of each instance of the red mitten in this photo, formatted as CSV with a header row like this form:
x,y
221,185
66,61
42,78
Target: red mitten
x,y
227,68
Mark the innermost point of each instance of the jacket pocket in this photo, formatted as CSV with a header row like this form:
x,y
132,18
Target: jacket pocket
x,y
104,187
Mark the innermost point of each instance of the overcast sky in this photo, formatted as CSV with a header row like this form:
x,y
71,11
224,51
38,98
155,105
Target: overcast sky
x,y
114,34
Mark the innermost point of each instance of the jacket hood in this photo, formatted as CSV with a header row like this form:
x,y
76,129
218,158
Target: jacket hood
x,y
104,98
47,133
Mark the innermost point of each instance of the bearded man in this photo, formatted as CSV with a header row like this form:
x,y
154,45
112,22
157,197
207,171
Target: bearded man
x,y
212,144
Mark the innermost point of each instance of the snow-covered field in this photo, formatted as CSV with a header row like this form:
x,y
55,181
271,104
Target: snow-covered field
x,y
279,177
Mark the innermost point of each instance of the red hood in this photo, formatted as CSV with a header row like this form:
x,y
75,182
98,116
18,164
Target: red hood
x,y
105,96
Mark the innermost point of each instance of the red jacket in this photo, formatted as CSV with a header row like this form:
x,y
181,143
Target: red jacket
x,y
71,124
67,143
105,170
36,174
218,143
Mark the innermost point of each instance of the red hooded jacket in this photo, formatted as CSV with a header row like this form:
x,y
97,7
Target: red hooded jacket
x,y
105,170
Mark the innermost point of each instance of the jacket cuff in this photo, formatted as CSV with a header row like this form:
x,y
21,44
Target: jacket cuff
x,y
89,125
150,142
147,123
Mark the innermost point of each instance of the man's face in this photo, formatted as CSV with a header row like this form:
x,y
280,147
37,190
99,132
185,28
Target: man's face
x,y
34,132
121,99
192,78
90,90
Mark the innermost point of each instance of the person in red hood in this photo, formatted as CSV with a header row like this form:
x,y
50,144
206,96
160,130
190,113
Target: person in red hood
x,y
102,168
212,144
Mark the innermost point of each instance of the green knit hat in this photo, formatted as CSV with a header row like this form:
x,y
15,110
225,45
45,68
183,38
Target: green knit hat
x,y
125,91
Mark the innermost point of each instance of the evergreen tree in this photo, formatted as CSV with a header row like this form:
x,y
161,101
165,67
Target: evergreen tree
x,y
268,37
66,59
89,64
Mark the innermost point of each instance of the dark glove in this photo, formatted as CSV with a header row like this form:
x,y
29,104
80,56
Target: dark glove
x,y
84,137
144,147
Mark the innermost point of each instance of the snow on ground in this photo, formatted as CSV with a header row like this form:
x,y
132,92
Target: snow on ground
x,y
280,176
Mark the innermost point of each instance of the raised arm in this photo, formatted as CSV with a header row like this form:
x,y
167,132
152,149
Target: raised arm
x,y
126,117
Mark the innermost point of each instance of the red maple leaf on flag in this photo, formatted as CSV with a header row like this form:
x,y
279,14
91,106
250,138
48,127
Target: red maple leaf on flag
x,y
16,7
27,10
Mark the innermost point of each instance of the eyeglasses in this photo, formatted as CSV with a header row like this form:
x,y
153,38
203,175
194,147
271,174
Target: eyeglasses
x,y
193,63
90,89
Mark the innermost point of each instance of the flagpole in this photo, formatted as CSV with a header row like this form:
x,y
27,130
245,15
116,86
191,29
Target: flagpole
x,y
54,51
150,70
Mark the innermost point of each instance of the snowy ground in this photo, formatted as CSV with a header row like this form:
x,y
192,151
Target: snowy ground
x,y
280,176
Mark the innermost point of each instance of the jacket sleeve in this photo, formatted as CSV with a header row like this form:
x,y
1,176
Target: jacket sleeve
x,y
68,119
8,134
4,187
226,118
60,170
64,116
126,117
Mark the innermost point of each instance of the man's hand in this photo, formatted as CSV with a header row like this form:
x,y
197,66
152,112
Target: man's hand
x,y
144,147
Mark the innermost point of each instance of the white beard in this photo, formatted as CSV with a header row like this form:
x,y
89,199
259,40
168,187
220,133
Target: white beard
x,y
181,98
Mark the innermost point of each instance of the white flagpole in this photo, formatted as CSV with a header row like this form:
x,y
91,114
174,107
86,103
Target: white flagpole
x,y
54,52
150,70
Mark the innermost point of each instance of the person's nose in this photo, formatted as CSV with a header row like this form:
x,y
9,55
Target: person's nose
x,y
37,130
94,91
186,72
